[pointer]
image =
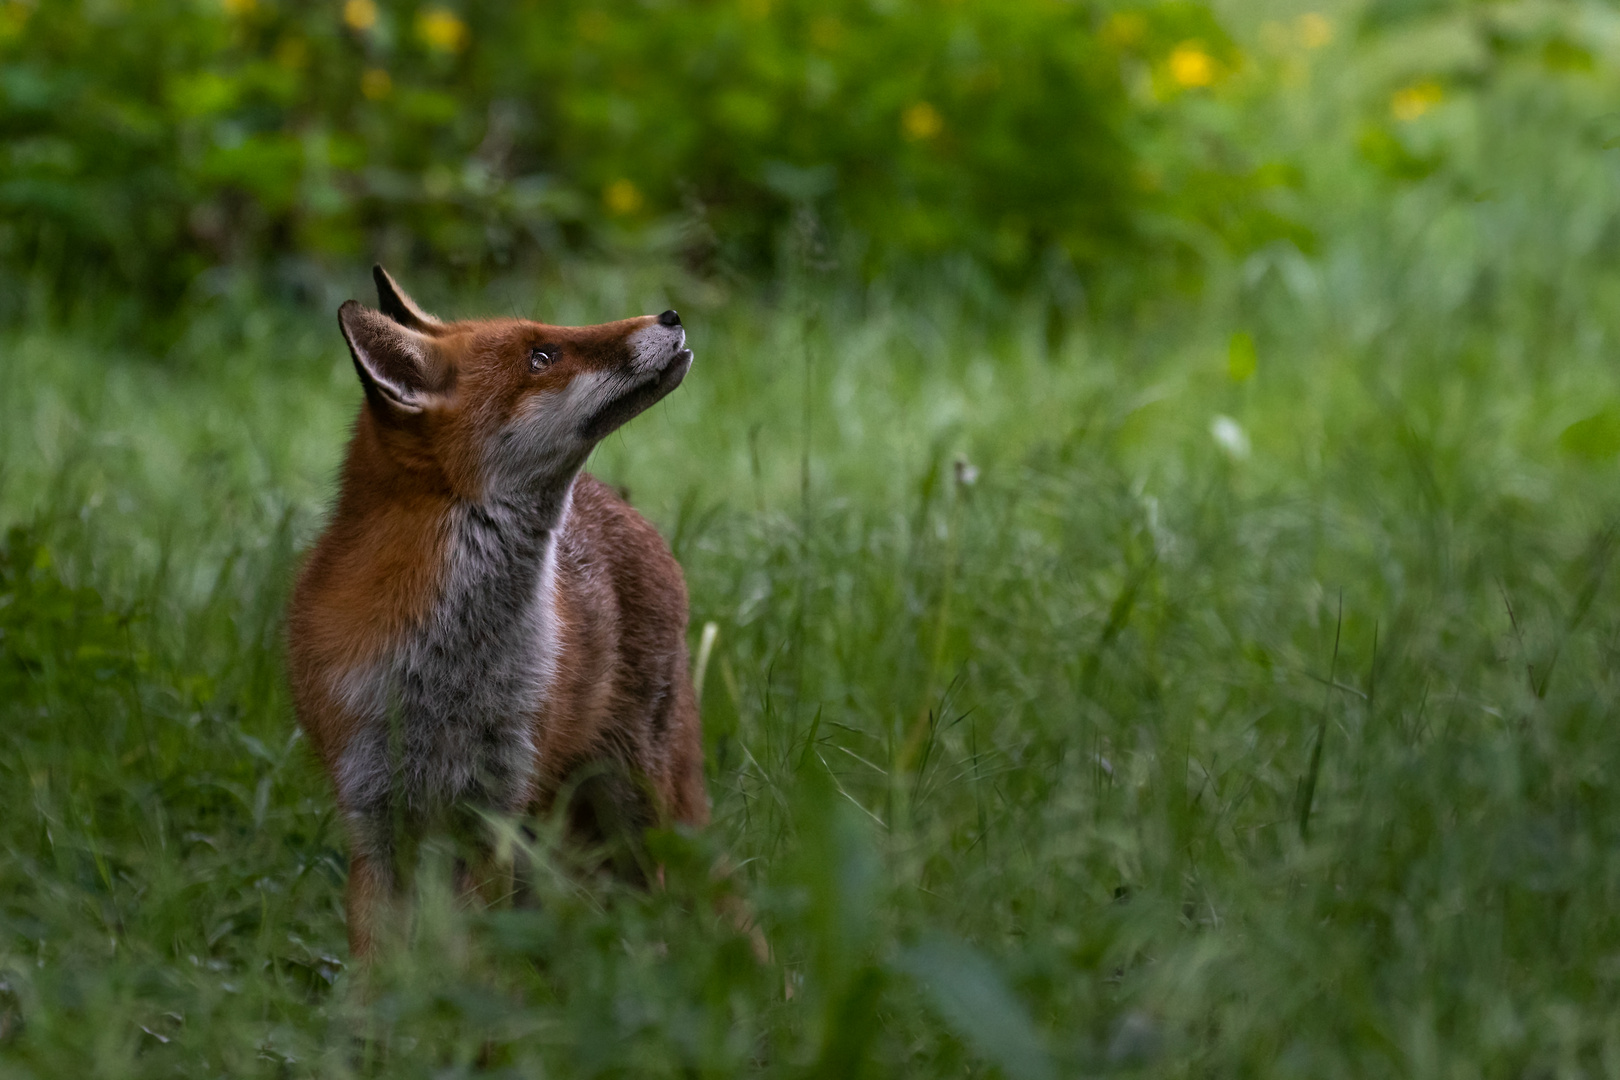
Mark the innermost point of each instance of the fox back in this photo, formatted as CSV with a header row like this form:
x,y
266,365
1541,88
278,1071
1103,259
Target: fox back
x,y
482,625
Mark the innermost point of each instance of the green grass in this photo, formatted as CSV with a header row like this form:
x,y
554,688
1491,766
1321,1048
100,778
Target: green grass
x,y
1139,755
1133,755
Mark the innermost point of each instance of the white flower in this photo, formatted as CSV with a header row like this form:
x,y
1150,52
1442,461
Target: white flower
x,y
1230,436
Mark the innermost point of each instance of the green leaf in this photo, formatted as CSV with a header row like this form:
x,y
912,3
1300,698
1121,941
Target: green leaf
x,y
970,995
1596,438
1241,359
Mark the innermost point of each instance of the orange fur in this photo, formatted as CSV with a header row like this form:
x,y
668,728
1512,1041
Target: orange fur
x,y
425,453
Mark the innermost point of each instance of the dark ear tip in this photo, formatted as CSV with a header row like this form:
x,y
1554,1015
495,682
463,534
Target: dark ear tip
x,y
393,302
349,317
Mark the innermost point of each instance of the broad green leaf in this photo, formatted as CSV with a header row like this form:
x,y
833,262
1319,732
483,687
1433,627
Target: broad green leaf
x,y
970,995
1596,438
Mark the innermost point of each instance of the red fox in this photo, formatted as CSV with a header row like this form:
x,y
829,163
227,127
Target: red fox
x,y
483,626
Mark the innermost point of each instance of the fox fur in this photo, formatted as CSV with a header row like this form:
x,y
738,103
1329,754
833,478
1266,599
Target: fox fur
x,y
482,624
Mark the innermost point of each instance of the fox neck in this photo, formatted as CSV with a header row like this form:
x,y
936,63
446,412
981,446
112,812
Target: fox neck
x,y
496,615
451,710
522,514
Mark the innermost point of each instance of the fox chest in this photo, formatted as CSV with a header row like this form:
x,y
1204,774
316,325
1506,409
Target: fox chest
x,y
449,714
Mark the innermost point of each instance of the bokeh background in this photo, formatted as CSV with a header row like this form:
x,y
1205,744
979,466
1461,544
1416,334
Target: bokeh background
x,y
1150,472
156,143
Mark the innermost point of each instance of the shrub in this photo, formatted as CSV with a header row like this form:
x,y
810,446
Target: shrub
x,y
148,141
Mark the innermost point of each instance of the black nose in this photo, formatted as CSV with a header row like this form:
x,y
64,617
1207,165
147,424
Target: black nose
x,y
669,318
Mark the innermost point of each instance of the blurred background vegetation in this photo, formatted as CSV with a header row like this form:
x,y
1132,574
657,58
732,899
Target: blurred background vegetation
x,y
151,147
157,153
160,152
1154,469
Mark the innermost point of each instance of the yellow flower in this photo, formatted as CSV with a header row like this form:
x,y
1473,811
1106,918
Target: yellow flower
x,y
1417,99
621,198
921,121
360,14
1125,29
13,17
1315,30
240,7
376,84
442,29
594,25
1190,65
826,32
292,53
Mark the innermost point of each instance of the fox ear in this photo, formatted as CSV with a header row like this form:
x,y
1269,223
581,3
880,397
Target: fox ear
x,y
397,305
394,363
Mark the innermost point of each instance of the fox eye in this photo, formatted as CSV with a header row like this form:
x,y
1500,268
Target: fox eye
x,y
539,358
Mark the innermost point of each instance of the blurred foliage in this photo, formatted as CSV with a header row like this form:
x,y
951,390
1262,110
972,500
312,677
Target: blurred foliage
x,y
146,142
50,630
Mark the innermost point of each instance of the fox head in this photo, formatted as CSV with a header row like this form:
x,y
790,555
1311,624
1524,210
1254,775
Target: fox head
x,y
503,405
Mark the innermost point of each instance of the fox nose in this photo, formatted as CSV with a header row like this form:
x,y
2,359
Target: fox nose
x,y
669,318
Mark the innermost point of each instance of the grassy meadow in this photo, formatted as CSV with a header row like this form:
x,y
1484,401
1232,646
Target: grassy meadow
x,y
1218,684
